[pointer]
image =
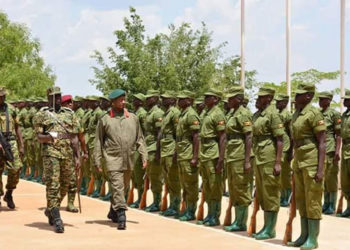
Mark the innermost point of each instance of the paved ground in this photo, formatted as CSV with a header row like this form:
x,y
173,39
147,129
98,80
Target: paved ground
x,y
27,228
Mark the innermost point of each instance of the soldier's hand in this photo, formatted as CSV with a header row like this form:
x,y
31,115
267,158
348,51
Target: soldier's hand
x,y
194,162
219,166
336,158
319,176
277,170
99,169
247,167
144,165
77,162
85,156
21,152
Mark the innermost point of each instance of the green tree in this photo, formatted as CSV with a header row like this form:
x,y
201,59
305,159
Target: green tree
x,y
22,70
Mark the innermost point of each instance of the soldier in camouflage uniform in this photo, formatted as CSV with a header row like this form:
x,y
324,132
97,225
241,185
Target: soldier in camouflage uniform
x,y
139,172
9,126
57,129
286,172
30,150
168,155
332,119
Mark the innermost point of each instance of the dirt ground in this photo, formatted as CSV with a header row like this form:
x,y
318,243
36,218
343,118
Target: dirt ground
x,y
27,228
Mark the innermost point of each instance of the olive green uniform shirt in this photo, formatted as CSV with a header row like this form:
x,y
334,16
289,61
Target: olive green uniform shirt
x,y
153,123
332,121
141,113
168,129
286,117
345,134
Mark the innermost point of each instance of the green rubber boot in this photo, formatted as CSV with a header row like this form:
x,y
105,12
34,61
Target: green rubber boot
x,y
325,202
108,196
173,209
269,231
31,175
240,223
332,202
190,213
23,172
346,213
97,191
263,229
314,230
303,235
70,204
84,185
155,206
136,204
208,217
214,219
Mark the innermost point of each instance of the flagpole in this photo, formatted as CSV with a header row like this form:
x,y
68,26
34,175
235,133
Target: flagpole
x,y
342,52
242,44
288,47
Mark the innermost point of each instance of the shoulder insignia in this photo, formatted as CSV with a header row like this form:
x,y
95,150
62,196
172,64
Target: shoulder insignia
x,y
196,123
321,122
247,123
280,125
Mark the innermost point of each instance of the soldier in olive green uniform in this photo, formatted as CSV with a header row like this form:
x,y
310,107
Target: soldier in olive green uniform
x,y
168,156
57,128
153,126
9,126
212,153
187,149
238,158
267,145
139,172
286,172
345,160
332,119
118,136
308,134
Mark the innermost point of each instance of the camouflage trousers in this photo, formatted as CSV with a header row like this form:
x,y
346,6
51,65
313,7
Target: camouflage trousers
x,y
57,177
13,173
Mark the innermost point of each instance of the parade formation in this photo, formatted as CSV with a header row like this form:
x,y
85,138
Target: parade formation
x,y
188,148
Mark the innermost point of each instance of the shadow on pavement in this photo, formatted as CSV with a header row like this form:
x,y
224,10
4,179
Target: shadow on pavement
x,y
276,241
44,226
108,222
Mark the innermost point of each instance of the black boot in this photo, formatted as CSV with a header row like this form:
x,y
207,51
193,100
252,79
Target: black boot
x,y
112,215
121,219
55,213
48,215
8,198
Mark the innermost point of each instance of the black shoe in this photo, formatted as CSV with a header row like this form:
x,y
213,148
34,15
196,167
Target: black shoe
x,y
112,215
58,223
48,215
8,198
121,219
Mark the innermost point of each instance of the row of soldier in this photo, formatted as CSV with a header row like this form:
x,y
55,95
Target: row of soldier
x,y
183,143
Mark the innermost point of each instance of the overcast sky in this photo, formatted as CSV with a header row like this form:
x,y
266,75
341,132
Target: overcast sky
x,y
70,31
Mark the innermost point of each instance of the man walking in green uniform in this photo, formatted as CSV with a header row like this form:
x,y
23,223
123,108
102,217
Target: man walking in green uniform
x,y
57,129
286,172
139,171
153,135
267,145
187,150
345,160
238,158
308,134
168,155
118,136
332,119
9,127
212,153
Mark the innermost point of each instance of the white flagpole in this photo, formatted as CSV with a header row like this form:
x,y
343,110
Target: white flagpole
x,y
288,18
342,51
242,45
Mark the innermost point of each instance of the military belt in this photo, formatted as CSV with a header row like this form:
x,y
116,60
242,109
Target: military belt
x,y
235,136
209,140
168,136
301,142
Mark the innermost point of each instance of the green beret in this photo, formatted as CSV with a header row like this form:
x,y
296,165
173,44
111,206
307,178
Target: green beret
x,y
168,94
213,92
185,94
199,100
2,91
116,93
151,93
55,90
282,97
266,91
104,98
140,96
347,94
305,88
325,94
235,90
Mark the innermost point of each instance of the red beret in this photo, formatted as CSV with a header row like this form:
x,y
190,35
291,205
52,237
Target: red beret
x,y
66,98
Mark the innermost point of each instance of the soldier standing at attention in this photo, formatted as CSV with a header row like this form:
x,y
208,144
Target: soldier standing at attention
x,y
332,119
118,136
286,172
267,145
187,150
57,129
139,172
154,121
168,154
238,158
9,126
309,135
212,153
345,161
